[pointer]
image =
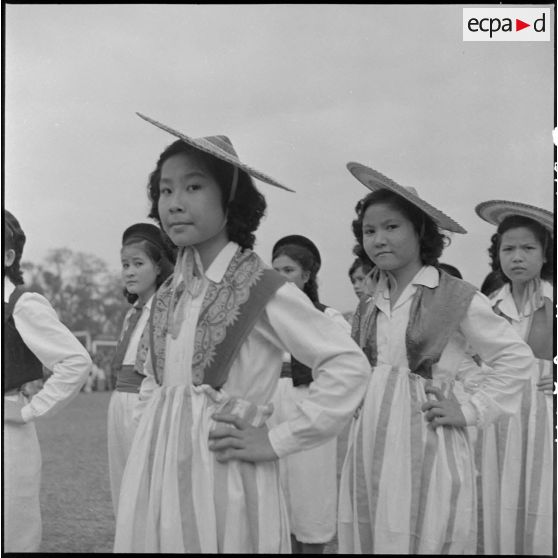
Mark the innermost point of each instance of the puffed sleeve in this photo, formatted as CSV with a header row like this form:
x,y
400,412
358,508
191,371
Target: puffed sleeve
x,y
341,371
57,349
508,363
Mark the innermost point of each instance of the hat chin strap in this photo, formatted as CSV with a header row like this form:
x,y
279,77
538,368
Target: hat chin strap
x,y
231,197
234,184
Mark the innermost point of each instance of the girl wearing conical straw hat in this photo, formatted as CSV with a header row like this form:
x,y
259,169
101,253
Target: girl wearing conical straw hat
x,y
408,480
515,458
202,474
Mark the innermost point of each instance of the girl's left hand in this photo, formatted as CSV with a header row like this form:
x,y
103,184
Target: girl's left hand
x,y
546,384
235,438
12,412
442,411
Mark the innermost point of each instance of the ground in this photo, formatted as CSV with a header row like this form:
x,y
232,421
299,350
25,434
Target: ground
x,y
75,493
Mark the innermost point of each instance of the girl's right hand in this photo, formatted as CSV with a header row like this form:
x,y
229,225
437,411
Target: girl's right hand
x,y
441,411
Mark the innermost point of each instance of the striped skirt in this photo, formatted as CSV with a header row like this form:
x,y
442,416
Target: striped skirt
x,y
405,488
176,498
516,485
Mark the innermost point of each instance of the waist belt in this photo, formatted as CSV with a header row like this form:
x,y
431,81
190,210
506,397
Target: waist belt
x,y
128,379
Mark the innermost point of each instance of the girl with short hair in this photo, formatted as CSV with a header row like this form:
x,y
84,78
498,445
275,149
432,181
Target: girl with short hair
x,y
147,261
308,478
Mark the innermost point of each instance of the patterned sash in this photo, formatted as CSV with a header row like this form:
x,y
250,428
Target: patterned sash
x,y
229,311
434,316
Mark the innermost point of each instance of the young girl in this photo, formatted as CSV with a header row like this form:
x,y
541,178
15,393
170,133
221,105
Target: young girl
x,y
359,275
308,478
147,261
408,481
33,338
517,452
202,474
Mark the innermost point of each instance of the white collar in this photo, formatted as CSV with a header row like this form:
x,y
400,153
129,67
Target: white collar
x,y
9,288
219,265
214,272
427,276
506,304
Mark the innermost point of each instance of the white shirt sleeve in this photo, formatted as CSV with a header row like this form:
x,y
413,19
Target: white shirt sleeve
x,y
57,349
508,362
338,318
341,371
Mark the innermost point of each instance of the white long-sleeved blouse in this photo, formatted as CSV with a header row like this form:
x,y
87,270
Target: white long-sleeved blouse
x,y
56,348
509,359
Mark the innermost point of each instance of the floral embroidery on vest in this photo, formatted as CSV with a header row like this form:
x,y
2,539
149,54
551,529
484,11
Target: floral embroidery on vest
x,y
221,307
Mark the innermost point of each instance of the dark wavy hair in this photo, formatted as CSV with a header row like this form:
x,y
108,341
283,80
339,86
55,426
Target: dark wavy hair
x,y
491,283
244,211
541,234
451,269
14,239
307,261
165,259
431,240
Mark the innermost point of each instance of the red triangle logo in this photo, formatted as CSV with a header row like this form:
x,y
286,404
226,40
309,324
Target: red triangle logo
x,y
519,25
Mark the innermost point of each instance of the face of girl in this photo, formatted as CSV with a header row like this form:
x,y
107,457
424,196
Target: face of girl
x,y
521,255
390,240
138,271
190,204
358,279
292,271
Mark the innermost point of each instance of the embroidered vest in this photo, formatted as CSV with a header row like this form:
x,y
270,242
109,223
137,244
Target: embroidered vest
x,y
300,373
434,317
540,334
229,311
19,363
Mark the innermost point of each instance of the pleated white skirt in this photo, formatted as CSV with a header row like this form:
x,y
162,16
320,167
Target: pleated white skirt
x,y
120,434
22,485
308,478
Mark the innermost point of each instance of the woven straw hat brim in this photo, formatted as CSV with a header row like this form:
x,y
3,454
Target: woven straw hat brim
x,y
495,211
374,180
203,145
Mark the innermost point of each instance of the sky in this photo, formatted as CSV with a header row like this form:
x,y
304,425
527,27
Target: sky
x,y
300,90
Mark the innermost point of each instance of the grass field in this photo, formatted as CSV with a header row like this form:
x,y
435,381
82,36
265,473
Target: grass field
x,y
75,494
